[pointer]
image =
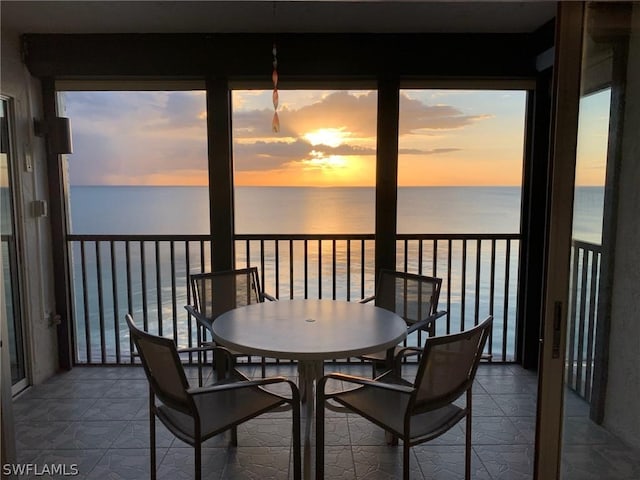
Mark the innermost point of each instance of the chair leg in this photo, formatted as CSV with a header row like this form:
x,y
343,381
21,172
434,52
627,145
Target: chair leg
x,y
234,436
406,463
199,343
152,437
197,447
392,439
319,431
220,365
297,453
467,444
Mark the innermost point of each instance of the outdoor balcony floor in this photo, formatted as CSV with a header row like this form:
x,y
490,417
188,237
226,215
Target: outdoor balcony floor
x,y
97,418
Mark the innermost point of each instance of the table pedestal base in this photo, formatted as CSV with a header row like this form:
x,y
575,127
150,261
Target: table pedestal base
x,y
309,372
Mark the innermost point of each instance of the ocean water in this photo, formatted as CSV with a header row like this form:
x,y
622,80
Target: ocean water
x,y
300,210
466,267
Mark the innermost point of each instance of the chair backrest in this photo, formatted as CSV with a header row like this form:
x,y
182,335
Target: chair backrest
x,y
218,292
163,368
413,297
448,365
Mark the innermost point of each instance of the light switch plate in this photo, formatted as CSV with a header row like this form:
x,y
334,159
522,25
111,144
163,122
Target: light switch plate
x,y
28,159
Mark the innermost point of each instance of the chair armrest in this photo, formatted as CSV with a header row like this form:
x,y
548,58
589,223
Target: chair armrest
x,y
405,352
269,297
204,348
208,348
367,299
424,323
363,381
192,310
221,387
202,320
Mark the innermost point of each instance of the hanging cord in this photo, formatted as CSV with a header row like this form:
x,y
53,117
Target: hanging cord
x,y
275,123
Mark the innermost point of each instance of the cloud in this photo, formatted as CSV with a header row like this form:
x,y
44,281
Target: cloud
x,y
435,151
93,157
356,114
344,149
116,134
262,155
257,148
257,124
185,110
137,112
416,117
156,133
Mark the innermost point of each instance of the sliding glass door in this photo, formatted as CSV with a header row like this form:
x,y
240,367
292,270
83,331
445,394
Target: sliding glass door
x,y
10,278
588,415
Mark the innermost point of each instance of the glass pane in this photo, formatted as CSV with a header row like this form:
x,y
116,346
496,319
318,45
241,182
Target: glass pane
x,y
327,139
315,176
138,173
460,161
460,172
8,252
139,162
591,161
601,434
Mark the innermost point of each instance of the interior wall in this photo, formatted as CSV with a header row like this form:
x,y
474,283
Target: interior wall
x,y
622,411
36,267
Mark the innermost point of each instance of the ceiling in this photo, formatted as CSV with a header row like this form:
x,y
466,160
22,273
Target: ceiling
x,y
273,16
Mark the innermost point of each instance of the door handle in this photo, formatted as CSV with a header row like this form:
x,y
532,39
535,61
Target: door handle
x,y
557,322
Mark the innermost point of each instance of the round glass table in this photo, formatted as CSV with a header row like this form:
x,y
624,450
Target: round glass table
x,y
309,331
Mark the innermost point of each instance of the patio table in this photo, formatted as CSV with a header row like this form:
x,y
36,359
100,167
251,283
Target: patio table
x,y
309,331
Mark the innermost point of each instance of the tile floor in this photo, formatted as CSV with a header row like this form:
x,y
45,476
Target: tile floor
x,y
96,418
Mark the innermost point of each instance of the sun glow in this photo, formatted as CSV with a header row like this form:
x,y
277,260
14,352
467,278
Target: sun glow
x,y
332,137
322,162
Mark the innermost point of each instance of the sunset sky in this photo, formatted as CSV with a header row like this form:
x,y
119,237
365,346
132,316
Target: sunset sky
x,y
327,138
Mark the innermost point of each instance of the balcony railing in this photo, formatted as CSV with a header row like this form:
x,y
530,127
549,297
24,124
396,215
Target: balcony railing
x,y
585,275
148,276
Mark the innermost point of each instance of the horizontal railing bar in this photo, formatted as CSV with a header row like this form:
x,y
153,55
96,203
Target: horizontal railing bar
x,y
137,238
587,246
458,236
304,236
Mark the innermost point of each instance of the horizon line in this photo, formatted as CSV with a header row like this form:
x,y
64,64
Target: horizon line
x,y
313,186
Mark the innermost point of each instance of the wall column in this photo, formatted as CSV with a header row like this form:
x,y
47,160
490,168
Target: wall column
x,y
219,139
59,229
387,173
